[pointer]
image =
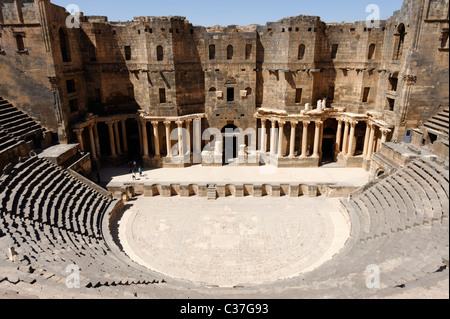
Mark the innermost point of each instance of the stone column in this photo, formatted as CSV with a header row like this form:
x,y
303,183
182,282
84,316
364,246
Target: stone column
x,y
197,141
272,137
317,138
123,124
305,139
188,137
280,137
79,133
371,141
145,139
339,137
111,139
116,131
156,137
345,142
263,136
292,143
168,139
140,136
97,140
350,151
366,140
180,138
91,137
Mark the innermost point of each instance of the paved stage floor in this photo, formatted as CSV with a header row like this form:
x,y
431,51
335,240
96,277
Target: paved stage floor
x,y
332,174
232,241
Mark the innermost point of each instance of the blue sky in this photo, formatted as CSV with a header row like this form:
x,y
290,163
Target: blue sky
x,y
240,12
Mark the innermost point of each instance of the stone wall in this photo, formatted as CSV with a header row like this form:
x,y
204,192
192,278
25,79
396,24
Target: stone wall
x,y
167,67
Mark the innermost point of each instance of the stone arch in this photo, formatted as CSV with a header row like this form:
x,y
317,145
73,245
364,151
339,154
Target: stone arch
x,y
371,53
230,52
399,42
64,45
230,81
301,51
159,53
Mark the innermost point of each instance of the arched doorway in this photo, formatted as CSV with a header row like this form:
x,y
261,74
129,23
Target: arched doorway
x,y
230,143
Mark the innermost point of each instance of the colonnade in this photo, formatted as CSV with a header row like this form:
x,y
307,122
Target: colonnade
x,y
188,126
345,137
184,145
277,148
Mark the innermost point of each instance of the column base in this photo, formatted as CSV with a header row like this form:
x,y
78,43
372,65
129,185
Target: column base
x,y
350,161
197,158
366,164
297,162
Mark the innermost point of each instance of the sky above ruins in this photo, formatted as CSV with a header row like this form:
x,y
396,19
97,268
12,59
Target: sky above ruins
x,y
240,12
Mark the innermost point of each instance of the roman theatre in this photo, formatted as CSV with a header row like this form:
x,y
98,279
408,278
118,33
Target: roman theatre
x,y
154,158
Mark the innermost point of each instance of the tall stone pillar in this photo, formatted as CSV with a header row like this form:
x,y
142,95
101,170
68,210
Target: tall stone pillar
x,y
292,143
112,143
145,139
79,133
345,142
317,138
92,140
305,139
187,139
272,136
180,138
339,137
116,131
168,139
123,124
156,137
371,141
351,141
366,140
140,137
97,140
197,141
263,136
280,137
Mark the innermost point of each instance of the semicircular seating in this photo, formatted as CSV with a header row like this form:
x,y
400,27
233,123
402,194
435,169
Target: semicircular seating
x,y
53,221
399,224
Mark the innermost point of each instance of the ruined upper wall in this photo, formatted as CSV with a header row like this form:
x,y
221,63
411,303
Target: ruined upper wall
x,y
122,66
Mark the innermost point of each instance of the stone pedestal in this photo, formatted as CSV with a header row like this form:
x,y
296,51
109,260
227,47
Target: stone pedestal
x,y
310,190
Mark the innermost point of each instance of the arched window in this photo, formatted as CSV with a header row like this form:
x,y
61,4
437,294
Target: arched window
x,y
230,52
371,54
399,41
159,53
249,91
65,46
213,89
301,51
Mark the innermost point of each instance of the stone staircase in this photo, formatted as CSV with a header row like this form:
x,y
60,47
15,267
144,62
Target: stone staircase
x,y
16,123
212,192
439,123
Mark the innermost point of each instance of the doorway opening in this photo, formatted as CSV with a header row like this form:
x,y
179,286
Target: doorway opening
x,y
230,144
